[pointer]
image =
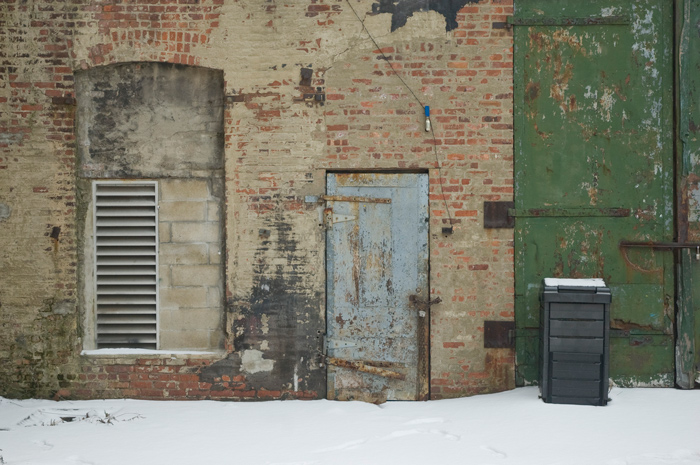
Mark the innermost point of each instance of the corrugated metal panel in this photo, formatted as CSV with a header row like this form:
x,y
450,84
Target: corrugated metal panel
x,y
126,264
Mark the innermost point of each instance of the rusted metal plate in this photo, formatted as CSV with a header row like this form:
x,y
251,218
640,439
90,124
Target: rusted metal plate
x,y
594,167
365,367
499,334
497,214
375,262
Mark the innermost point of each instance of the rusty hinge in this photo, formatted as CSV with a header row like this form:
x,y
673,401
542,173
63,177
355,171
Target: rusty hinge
x,y
330,218
364,367
342,198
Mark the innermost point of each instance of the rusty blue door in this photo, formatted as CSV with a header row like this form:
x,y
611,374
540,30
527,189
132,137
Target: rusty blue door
x,y
377,281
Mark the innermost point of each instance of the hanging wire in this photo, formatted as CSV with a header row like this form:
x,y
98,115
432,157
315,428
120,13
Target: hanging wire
x,y
432,132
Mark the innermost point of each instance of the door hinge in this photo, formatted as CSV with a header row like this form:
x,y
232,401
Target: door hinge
x,y
330,218
343,198
338,344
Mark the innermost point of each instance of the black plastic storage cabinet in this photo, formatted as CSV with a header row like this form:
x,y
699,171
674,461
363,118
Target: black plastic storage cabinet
x,y
575,341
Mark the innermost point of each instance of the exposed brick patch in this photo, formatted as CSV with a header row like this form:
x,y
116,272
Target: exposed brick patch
x,y
156,378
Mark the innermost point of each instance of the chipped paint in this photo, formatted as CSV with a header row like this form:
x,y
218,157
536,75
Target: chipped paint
x,y
252,361
606,103
597,141
377,340
264,319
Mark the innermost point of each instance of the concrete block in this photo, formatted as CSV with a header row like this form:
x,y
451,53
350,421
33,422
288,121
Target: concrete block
x,y
213,211
215,254
185,340
163,232
195,232
196,275
184,189
187,210
164,276
184,254
182,297
216,339
208,319
214,297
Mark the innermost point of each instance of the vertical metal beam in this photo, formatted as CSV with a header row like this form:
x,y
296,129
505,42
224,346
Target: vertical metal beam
x,y
687,15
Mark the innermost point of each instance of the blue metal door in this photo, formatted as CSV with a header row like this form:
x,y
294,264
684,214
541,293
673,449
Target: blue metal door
x,y
377,283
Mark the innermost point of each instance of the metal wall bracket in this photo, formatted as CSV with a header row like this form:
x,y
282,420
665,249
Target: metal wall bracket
x,y
497,215
499,334
618,20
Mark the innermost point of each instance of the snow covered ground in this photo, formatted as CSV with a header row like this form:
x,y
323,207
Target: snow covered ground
x,y
639,427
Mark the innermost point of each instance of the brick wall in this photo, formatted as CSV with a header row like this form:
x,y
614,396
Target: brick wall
x,y
283,129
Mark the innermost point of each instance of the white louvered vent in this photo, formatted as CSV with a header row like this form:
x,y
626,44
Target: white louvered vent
x,y
126,264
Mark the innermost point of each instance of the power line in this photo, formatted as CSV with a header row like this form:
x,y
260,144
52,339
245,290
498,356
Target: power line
x,y
432,132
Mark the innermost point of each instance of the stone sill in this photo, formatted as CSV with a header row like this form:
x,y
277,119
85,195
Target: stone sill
x,y
153,354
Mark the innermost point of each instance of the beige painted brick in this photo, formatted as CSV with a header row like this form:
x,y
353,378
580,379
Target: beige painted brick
x,y
183,297
196,275
187,210
195,232
184,189
184,254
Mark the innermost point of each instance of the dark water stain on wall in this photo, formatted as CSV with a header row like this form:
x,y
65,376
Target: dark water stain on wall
x,y
278,327
401,10
140,119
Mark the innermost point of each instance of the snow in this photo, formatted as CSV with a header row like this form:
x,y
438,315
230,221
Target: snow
x,y
592,282
638,427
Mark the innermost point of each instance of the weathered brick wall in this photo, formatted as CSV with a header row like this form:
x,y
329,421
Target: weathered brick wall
x,y
283,131
37,170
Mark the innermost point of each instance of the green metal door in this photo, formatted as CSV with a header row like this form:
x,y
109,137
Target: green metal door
x,y
594,168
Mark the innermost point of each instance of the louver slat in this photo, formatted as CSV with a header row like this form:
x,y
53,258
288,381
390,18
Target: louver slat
x,y
126,258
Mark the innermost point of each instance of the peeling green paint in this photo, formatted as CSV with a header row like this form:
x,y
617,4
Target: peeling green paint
x,y
594,108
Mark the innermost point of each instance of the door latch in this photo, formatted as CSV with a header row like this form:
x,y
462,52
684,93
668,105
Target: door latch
x,y
423,305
